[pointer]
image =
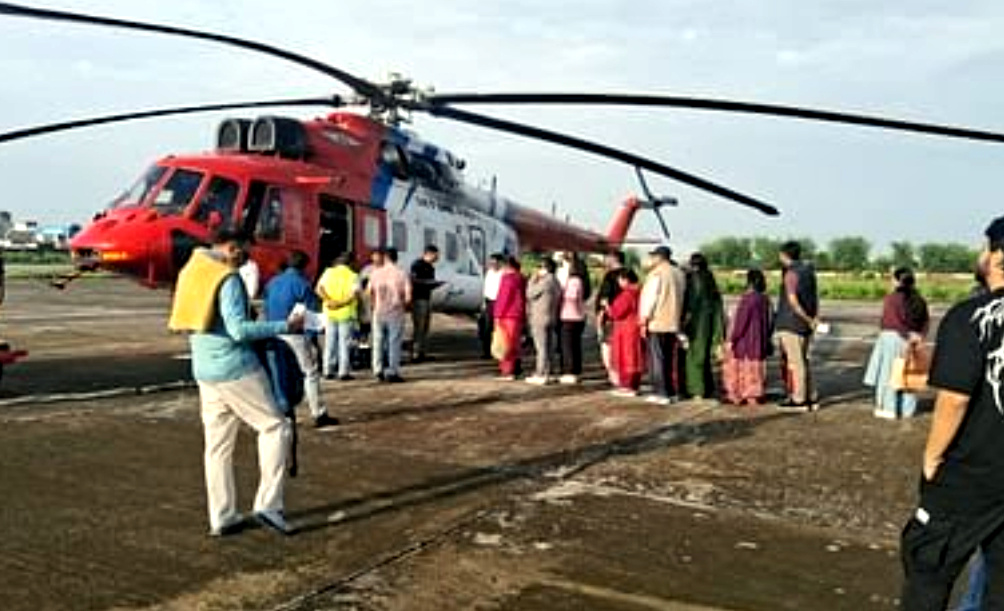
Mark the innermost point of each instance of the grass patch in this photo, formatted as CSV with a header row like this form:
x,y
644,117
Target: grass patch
x,y
942,288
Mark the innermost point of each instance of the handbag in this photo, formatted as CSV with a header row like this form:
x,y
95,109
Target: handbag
x,y
910,371
499,344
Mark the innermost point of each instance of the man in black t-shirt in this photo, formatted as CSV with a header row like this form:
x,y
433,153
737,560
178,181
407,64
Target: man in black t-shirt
x,y
962,486
423,281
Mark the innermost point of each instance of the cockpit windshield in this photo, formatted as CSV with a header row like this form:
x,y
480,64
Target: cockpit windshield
x,y
177,192
136,194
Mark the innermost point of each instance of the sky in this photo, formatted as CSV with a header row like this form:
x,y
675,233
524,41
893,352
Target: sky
x,y
922,60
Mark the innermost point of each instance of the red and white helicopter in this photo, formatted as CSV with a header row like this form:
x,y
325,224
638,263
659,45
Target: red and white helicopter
x,y
359,181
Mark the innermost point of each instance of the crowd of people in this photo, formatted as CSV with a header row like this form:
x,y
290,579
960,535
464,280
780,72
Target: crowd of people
x,y
673,325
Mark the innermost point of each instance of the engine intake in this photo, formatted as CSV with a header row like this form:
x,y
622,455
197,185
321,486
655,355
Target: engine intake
x,y
280,135
233,135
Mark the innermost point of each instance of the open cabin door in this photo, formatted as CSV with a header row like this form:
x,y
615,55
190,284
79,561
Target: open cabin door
x,y
335,230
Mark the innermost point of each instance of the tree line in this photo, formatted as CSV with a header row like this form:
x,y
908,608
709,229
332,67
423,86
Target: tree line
x,y
852,254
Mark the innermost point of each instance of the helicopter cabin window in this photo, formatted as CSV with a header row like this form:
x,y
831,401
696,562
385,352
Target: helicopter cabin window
x,y
177,193
399,236
270,219
452,247
216,206
138,193
431,238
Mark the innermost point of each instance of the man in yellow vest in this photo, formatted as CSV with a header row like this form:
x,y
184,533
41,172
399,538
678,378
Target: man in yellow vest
x,y
211,306
339,291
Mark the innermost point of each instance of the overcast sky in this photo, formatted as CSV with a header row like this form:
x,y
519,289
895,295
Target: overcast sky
x,y
923,60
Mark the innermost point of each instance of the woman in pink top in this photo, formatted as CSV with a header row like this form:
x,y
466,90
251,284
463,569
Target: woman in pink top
x,y
574,295
510,316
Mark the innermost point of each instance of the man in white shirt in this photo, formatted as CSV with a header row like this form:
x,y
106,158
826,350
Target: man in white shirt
x,y
486,322
661,311
251,276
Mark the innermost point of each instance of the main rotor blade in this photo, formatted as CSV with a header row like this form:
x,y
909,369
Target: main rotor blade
x,y
163,112
361,86
601,150
712,104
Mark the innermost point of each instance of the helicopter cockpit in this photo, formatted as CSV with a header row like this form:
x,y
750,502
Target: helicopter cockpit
x,y
172,192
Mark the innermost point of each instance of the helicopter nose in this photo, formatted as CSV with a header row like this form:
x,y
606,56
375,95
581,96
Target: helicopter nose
x,y
134,249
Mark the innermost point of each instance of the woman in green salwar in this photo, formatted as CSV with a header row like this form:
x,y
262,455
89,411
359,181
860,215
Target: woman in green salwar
x,y
704,326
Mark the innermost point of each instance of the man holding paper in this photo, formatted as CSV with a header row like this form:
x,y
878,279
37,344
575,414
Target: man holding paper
x,y
291,292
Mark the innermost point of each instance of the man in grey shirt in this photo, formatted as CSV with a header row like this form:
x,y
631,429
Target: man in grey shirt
x,y
543,295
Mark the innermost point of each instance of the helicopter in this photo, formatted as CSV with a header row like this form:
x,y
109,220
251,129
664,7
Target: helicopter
x,y
357,180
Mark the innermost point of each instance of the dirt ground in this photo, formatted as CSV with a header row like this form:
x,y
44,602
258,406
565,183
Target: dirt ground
x,y
453,491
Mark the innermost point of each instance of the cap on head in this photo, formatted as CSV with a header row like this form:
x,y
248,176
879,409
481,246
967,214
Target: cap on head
x,y
663,252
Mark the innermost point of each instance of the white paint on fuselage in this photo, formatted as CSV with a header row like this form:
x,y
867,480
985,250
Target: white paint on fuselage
x,y
461,212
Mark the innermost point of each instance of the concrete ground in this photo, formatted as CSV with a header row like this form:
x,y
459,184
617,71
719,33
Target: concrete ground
x,y
453,491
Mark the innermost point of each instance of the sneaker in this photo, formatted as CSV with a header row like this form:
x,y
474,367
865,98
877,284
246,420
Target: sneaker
x,y
324,421
658,400
346,378
568,379
230,527
380,377
509,378
536,380
623,393
789,405
885,415
394,379
330,376
275,521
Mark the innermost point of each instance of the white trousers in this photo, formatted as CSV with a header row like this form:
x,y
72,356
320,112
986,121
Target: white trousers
x,y
306,356
224,406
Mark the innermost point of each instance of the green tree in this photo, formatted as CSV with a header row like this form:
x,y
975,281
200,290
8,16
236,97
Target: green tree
x,y
765,252
823,261
728,252
850,254
882,264
946,258
903,254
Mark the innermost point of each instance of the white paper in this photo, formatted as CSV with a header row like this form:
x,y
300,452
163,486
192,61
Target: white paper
x,y
313,322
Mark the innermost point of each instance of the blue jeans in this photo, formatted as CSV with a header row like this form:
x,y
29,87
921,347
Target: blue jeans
x,y
337,344
973,599
387,335
888,347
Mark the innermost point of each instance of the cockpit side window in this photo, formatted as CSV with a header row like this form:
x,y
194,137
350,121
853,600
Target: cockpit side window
x,y
177,192
219,198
